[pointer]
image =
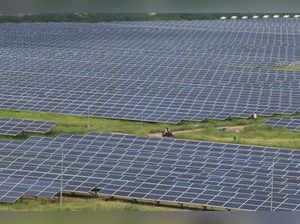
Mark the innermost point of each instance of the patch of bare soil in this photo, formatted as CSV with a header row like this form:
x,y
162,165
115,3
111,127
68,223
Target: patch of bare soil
x,y
234,128
119,133
158,134
174,132
155,134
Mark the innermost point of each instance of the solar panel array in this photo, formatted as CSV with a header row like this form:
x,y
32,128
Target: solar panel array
x,y
13,127
157,169
290,124
151,71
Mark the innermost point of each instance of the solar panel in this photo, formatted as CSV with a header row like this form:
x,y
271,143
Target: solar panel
x,y
10,126
289,124
179,171
185,70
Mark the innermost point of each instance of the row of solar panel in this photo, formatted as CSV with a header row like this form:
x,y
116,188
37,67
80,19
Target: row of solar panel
x,y
62,84
203,45
133,57
285,123
91,62
75,67
150,81
199,92
176,44
270,25
135,40
170,105
154,169
204,54
11,126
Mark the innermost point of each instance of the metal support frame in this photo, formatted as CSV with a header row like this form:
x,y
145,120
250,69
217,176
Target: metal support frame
x,y
61,180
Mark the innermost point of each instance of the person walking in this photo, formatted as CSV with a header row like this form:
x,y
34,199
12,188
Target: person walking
x,y
255,116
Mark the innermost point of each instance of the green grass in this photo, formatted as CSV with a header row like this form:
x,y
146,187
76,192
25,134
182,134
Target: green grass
x,y
85,211
78,204
281,68
254,134
78,125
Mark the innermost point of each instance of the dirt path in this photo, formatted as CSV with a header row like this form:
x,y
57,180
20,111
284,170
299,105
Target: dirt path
x,y
234,128
119,133
229,128
174,132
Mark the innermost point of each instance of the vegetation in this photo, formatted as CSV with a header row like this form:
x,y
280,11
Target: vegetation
x,y
108,17
85,211
78,204
253,134
282,68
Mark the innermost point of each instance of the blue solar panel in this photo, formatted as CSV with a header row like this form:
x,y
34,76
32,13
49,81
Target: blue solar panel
x,y
290,124
203,176
120,73
10,126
